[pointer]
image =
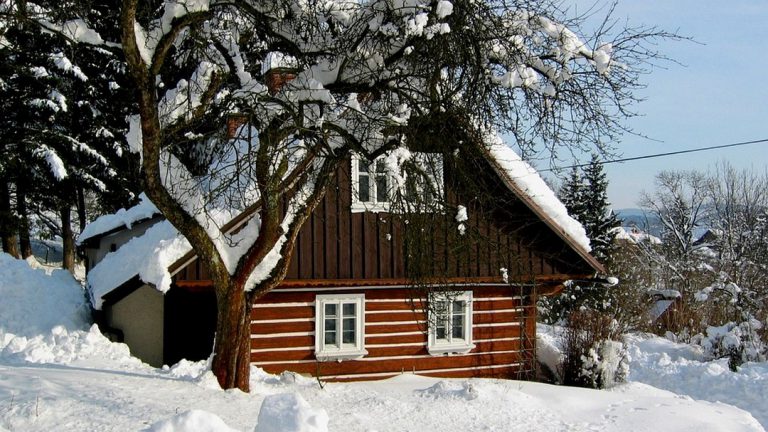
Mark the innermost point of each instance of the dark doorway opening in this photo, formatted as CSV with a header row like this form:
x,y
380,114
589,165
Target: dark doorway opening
x,y
189,324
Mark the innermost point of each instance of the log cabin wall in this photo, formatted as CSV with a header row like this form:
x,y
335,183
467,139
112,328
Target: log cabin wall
x,y
340,251
283,335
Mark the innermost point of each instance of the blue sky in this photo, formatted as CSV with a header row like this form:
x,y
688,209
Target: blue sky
x,y
719,94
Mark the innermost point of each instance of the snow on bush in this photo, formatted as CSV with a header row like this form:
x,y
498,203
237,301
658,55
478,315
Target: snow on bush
x,y
289,412
738,342
549,351
584,354
605,364
191,421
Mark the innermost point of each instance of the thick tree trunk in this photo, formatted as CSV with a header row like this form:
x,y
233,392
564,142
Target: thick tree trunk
x,y
21,208
232,349
7,221
68,240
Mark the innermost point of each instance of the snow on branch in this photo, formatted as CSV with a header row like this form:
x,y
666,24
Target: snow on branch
x,y
58,170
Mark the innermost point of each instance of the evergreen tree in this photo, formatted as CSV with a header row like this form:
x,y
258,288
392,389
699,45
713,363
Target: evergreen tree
x,y
597,217
585,195
572,194
63,128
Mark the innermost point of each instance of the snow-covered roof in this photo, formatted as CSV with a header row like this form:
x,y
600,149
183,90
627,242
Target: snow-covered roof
x,y
528,185
659,308
665,293
147,256
123,218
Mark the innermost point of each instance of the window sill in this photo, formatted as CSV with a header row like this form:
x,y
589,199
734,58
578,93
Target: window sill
x,y
450,349
340,355
360,207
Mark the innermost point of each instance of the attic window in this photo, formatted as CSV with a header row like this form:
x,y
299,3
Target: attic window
x,y
450,323
374,187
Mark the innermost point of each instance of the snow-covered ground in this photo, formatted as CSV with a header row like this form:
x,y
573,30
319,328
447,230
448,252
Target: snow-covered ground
x,y
59,374
683,369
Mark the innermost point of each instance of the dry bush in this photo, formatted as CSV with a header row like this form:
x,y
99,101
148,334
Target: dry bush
x,y
593,357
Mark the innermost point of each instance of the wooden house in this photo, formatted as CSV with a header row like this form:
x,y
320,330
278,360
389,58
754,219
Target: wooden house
x,y
372,293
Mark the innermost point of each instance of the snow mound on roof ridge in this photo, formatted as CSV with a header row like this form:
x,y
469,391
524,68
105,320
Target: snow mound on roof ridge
x,y
147,256
528,180
145,209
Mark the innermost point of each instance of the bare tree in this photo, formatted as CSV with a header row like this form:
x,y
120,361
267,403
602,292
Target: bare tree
x,y
679,202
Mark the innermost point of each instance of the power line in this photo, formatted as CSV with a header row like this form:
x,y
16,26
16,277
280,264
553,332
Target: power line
x,y
700,149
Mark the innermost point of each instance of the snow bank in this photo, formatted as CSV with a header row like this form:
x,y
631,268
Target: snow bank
x,y
191,421
289,412
684,369
62,346
525,178
34,301
44,318
123,218
148,255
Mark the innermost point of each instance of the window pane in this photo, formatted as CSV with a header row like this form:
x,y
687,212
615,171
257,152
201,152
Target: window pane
x,y
330,324
330,309
365,166
440,309
457,319
348,309
348,336
457,327
330,338
440,332
382,191
364,194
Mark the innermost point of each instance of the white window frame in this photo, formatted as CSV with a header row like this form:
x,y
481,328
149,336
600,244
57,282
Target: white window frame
x,y
340,351
374,205
449,344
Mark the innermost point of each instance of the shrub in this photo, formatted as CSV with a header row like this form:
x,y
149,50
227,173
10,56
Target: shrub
x,y
592,355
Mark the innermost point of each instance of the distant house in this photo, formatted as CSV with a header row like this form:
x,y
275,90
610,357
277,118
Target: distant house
x,y
664,312
349,308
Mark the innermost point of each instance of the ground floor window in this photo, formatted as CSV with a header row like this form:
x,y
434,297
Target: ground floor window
x,y
450,323
339,326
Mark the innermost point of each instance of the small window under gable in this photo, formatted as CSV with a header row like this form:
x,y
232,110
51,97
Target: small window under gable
x,y
374,187
340,327
450,323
